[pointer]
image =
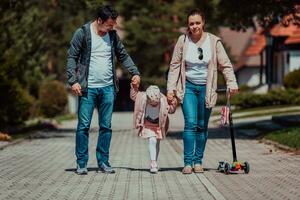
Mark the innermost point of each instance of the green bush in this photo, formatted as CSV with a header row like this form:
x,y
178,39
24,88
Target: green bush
x,y
292,79
221,80
249,100
296,97
221,100
244,88
274,97
296,101
15,104
53,98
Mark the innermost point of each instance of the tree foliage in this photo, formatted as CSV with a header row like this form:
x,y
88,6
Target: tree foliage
x,y
291,80
15,104
35,35
151,28
240,14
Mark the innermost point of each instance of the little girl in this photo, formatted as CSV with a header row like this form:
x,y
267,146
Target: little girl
x,y
151,118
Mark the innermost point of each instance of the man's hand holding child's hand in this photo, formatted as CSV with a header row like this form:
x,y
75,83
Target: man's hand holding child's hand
x,y
135,82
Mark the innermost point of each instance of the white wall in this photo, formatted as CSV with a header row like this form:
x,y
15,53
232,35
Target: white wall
x,y
294,60
249,76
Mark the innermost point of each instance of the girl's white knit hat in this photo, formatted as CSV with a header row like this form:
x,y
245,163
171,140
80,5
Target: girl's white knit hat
x,y
153,93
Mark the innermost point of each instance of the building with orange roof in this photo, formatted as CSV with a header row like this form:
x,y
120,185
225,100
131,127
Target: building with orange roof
x,y
247,68
251,53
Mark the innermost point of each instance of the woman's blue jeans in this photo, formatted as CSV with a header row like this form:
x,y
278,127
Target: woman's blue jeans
x,y
196,117
103,99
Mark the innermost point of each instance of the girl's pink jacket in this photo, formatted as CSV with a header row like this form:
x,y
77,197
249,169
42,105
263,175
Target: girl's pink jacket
x,y
140,99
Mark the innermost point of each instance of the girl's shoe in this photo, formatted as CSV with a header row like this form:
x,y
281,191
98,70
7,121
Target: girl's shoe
x,y
153,167
187,170
198,168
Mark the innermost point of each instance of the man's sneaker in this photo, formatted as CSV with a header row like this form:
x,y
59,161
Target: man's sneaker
x,y
106,168
153,167
81,171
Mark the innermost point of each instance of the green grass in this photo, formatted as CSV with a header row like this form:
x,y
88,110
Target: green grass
x,y
273,113
289,137
265,109
239,110
260,111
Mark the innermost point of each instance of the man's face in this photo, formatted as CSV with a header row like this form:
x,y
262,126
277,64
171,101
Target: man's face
x,y
107,25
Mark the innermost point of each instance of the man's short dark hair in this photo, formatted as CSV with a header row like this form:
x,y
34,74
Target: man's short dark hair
x,y
106,12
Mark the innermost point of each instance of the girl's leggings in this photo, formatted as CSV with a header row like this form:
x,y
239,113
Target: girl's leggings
x,y
153,148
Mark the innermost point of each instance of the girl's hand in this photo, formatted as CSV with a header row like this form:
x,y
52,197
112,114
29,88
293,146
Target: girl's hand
x,y
136,79
170,97
135,82
135,86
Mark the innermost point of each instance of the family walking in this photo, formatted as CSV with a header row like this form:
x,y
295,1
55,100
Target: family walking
x,y
192,81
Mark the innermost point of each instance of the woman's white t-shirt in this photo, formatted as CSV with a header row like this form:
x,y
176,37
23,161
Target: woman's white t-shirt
x,y
196,69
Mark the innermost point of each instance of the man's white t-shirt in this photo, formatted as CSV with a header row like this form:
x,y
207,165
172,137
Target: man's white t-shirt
x,y
100,70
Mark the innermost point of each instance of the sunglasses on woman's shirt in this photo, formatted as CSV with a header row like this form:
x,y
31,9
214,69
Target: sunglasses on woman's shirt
x,y
200,51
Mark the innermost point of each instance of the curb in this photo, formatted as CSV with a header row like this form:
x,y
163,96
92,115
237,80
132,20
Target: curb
x,y
279,146
210,187
17,141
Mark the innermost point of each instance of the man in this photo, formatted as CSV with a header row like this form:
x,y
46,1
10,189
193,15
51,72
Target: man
x,y
92,75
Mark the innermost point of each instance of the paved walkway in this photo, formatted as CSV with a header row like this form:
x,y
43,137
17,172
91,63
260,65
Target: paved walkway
x,y
43,168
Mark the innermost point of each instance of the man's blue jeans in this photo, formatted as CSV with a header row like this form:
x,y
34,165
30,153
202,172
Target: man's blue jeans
x,y
103,99
196,117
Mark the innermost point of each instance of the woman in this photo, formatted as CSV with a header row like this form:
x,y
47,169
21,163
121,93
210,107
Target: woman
x,y
192,78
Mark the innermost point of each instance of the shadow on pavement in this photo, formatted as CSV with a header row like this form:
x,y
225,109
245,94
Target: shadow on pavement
x,y
248,128
49,135
213,133
147,170
95,169
129,169
73,130
163,169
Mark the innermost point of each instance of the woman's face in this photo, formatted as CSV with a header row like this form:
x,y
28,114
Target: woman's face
x,y
195,24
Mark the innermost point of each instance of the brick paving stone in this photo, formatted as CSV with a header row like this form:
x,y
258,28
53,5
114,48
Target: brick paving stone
x,y
44,168
274,174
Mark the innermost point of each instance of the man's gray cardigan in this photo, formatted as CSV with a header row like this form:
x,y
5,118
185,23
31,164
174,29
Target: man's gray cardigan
x,y
79,54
